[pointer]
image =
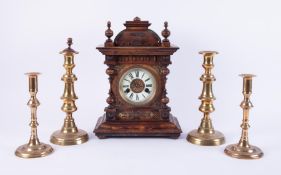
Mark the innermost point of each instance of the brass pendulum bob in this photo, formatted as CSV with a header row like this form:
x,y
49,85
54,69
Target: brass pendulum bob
x,y
69,134
243,150
205,134
34,148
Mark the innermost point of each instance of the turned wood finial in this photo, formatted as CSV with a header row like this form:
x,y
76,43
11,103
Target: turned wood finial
x,y
137,18
108,34
166,33
69,42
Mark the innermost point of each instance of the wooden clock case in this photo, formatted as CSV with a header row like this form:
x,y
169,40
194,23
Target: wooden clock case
x,y
137,47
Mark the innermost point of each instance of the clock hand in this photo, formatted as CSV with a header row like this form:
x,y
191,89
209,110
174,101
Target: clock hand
x,y
127,91
147,90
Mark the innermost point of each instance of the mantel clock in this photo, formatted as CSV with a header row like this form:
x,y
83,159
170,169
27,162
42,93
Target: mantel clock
x,y
137,63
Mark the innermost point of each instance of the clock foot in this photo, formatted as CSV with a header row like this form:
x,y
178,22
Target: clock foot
x,y
106,129
101,136
174,136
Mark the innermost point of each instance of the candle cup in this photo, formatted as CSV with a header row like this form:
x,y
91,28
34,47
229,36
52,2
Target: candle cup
x,y
34,148
243,150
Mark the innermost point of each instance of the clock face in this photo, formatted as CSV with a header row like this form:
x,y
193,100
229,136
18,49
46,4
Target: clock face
x,y
137,86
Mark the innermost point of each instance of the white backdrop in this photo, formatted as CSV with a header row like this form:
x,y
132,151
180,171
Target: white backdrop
x,y
246,33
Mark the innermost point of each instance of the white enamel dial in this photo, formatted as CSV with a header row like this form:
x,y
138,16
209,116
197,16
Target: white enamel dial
x,y
137,86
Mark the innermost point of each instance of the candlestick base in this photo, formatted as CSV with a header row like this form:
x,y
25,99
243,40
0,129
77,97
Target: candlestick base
x,y
34,151
239,152
206,139
69,138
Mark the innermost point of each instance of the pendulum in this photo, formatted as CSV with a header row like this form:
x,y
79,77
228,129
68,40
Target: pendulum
x,y
206,135
34,148
243,150
69,134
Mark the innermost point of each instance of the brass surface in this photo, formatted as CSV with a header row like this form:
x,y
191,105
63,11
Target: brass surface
x,y
206,135
137,85
34,148
243,150
69,134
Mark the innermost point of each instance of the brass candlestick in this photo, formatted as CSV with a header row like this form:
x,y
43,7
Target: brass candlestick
x,y
69,134
243,150
205,134
34,148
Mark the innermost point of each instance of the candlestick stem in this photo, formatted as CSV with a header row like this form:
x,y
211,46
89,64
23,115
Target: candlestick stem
x,y
243,150
206,134
33,148
69,133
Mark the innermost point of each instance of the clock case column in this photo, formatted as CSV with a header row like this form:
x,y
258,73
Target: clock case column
x,y
137,46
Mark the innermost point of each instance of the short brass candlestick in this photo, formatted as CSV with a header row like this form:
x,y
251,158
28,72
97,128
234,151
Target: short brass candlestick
x,y
34,148
69,134
243,150
205,134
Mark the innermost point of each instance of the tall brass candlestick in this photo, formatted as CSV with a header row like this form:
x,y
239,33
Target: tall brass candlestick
x,y
34,148
69,134
243,150
205,134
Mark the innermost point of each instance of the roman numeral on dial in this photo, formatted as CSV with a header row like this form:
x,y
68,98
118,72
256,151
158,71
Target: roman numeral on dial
x,y
137,73
131,75
127,80
147,79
